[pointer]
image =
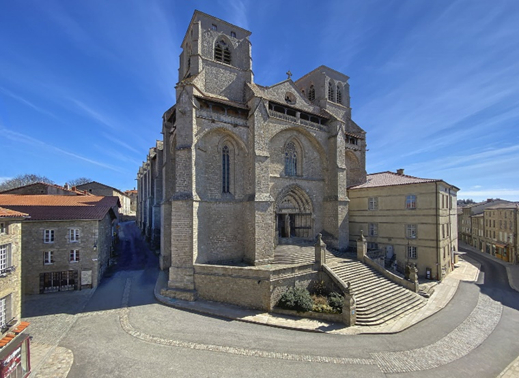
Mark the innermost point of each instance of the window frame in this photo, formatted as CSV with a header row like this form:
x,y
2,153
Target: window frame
x,y
48,257
5,257
412,252
73,235
4,228
48,236
411,231
373,203
74,256
372,229
410,202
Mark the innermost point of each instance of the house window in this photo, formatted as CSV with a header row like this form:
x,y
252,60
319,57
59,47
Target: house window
x,y
3,228
290,159
330,91
5,310
311,93
48,236
5,257
74,256
222,52
372,203
372,246
410,231
410,202
74,235
48,258
411,252
339,95
225,170
373,229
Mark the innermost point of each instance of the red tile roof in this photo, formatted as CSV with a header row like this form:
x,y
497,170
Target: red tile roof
x,y
55,207
7,213
72,189
390,179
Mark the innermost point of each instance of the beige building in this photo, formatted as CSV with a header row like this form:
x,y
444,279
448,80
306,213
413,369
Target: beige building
x,y
99,189
407,219
500,231
14,343
66,242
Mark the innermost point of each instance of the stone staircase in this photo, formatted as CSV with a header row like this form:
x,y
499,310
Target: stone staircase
x,y
378,299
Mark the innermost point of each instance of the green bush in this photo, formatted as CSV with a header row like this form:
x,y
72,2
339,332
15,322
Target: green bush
x,y
296,298
336,301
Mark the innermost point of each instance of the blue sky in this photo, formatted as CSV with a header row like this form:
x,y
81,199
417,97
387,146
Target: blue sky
x,y
83,84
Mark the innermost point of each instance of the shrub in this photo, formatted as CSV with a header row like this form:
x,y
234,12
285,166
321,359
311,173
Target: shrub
x,y
296,298
336,301
319,288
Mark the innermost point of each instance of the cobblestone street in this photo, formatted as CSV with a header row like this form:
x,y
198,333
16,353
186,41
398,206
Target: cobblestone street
x,y
120,330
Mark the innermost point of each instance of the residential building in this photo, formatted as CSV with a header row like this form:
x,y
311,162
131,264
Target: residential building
x,y
132,194
410,219
500,231
66,242
99,189
45,188
14,342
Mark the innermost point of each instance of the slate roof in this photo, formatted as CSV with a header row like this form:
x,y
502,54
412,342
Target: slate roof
x,y
390,179
55,207
7,213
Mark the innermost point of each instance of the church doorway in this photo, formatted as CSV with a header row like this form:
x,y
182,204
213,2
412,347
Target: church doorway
x,y
294,220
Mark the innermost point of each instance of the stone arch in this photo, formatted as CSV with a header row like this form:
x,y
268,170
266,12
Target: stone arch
x,y
294,214
223,50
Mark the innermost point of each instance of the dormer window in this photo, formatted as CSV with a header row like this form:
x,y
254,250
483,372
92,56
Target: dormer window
x,y
222,52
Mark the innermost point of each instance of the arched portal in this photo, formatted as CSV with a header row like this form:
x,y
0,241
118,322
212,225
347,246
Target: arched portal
x,y
294,215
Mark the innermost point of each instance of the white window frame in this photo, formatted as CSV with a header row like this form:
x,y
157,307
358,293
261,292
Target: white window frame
x,y
5,256
48,257
411,231
372,203
73,235
48,236
3,228
3,312
412,252
74,256
410,202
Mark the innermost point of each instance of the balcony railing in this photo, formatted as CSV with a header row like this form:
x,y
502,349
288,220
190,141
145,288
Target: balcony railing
x,y
300,121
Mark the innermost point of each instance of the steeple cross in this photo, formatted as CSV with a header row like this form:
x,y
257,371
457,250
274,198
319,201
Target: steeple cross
x,y
289,74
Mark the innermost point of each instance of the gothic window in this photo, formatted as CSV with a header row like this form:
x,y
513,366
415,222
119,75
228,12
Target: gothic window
x,y
226,181
330,91
339,95
311,93
290,159
222,52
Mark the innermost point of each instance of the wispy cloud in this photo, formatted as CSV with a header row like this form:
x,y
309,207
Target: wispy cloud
x,y
26,139
26,102
94,114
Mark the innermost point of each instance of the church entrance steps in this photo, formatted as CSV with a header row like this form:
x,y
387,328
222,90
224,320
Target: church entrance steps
x,y
378,299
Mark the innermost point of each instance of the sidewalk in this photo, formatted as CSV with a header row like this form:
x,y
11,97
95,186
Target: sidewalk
x,y
512,270
466,270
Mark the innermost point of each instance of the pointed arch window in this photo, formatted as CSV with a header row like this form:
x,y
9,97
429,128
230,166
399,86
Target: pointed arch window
x,y
339,95
222,52
226,166
311,93
290,159
330,91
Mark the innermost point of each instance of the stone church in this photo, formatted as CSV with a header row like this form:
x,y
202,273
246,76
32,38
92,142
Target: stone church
x,y
248,167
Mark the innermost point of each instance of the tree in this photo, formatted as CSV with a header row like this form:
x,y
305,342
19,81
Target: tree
x,y
79,181
23,180
465,202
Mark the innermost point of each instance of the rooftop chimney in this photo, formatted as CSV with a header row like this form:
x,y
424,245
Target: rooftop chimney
x,y
400,171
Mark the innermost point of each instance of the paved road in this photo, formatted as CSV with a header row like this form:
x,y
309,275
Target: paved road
x,y
122,331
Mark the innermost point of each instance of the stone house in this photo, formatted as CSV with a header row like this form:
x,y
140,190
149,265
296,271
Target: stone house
x,y
132,194
45,188
407,219
99,189
66,242
13,340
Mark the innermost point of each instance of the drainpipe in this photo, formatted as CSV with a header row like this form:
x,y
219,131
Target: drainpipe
x,y
438,265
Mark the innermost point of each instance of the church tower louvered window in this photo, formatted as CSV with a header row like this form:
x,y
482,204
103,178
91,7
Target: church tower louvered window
x,y
330,91
339,95
222,52
311,93
225,170
290,159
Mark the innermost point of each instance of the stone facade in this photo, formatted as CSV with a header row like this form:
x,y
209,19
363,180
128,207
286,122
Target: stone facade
x,y
243,168
10,269
407,220
150,196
